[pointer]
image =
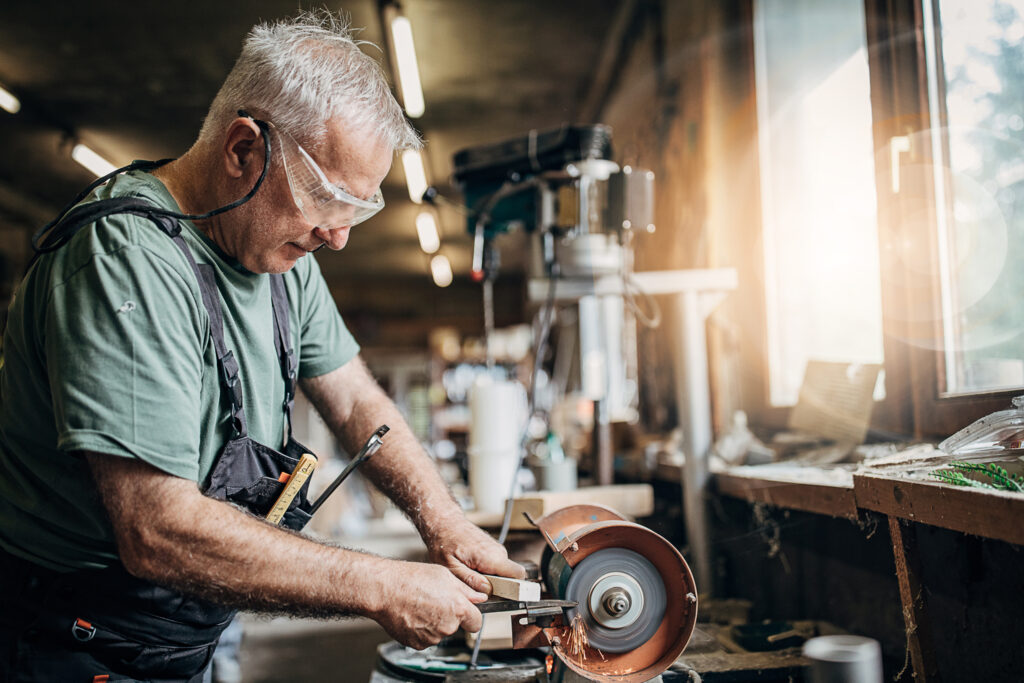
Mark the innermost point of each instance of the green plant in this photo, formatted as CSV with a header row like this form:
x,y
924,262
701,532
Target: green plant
x,y
998,476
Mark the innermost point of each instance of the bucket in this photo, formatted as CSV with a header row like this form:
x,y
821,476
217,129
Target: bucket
x,y
491,472
497,414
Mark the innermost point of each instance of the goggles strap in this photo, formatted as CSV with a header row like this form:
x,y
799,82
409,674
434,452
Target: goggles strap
x,y
41,244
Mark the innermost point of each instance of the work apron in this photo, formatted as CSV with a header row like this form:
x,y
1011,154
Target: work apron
x,y
107,625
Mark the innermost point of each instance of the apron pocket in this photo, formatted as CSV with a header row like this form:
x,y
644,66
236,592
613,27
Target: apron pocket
x,y
143,660
295,519
258,496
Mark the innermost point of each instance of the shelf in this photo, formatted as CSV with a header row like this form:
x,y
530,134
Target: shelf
x,y
840,492
810,489
991,514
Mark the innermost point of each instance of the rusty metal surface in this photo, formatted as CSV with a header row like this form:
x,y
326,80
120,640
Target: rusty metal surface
x,y
560,524
531,635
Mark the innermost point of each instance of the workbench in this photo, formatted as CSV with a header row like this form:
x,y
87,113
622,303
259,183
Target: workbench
x,y
903,493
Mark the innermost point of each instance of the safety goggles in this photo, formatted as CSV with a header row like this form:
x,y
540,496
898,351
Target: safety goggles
x,y
323,203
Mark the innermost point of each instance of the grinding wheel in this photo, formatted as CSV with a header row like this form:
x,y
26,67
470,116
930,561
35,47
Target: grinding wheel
x,y
621,599
635,595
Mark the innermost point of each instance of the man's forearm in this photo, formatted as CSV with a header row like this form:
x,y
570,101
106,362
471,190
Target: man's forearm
x,y
214,550
354,405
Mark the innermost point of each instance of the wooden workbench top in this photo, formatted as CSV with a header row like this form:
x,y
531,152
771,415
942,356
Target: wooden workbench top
x,y
900,488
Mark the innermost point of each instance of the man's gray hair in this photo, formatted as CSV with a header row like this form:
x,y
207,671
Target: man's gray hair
x,y
302,72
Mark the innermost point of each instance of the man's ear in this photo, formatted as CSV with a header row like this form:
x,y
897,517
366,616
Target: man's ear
x,y
243,147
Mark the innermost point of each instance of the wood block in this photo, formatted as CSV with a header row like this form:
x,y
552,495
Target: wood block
x,y
496,633
513,589
630,500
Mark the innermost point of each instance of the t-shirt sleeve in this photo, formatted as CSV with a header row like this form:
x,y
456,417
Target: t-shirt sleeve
x,y
325,343
124,348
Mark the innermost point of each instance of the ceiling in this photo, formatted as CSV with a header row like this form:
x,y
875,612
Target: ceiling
x,y
133,80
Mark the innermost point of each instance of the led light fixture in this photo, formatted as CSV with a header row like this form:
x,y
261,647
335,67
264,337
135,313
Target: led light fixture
x,y
408,70
9,102
91,160
415,175
441,270
426,230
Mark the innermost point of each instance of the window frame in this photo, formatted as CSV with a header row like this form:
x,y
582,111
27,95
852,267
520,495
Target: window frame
x,y
914,406
900,107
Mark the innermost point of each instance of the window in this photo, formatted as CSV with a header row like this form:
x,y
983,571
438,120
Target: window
x,y
975,72
820,231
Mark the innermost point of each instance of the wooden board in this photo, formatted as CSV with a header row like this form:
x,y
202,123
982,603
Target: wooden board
x,y
822,497
513,589
913,598
630,500
496,633
991,514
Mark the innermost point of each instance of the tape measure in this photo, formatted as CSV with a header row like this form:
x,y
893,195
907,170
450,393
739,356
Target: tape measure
x,y
302,472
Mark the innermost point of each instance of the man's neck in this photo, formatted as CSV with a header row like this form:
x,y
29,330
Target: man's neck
x,y
188,180
178,177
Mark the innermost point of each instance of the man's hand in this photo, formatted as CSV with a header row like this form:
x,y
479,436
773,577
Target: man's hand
x,y
465,549
422,603
353,405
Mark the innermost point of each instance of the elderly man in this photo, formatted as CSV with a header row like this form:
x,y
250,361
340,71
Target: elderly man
x,y
149,366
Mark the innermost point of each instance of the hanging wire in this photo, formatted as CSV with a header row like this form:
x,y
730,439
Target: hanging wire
x,y
546,317
630,289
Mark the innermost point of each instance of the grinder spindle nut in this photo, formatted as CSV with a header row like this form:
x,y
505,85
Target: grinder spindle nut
x,y
616,602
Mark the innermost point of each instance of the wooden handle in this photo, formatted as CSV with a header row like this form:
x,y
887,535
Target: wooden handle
x,y
302,472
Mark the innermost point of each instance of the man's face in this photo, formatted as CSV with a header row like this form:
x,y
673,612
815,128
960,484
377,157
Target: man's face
x,y
277,234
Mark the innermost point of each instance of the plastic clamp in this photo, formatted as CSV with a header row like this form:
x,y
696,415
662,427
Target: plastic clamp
x,y
82,630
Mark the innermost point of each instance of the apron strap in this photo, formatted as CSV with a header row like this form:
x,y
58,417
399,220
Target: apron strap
x,y
227,366
59,232
283,344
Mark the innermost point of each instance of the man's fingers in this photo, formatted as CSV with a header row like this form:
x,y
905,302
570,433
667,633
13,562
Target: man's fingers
x,y
475,584
498,565
473,620
512,570
490,557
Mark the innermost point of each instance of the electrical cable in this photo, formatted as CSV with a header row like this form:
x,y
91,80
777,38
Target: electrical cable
x,y
546,317
629,289
50,237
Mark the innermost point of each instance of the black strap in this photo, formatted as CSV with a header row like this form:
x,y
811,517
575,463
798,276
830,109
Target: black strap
x,y
44,240
59,233
283,344
227,366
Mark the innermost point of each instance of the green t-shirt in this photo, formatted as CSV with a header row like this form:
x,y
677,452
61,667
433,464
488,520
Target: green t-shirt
x,y
108,349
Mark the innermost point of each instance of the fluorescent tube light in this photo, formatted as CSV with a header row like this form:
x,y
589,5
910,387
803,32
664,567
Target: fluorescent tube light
x,y
408,70
426,230
415,175
9,102
91,160
441,270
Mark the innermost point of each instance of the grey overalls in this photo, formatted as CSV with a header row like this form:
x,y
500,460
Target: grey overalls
x,y
107,625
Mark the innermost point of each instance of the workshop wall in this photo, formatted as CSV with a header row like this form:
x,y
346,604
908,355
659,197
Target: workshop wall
x,y
392,312
682,104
